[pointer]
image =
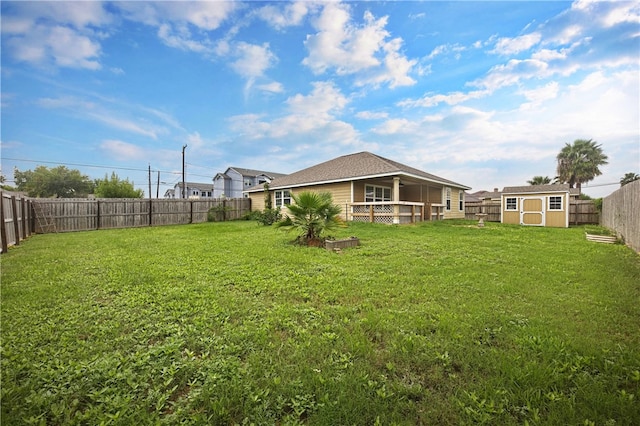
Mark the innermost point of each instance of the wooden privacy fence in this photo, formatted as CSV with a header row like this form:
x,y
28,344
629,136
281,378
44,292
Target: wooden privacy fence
x,y
580,211
621,213
67,215
23,216
16,223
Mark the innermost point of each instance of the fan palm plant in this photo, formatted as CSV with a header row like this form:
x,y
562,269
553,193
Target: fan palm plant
x,y
579,162
311,214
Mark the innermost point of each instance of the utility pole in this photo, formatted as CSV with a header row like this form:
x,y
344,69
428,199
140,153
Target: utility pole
x,y
149,180
158,187
184,190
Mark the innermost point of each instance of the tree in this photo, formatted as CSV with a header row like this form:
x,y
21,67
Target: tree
x,y
312,214
579,162
57,182
539,180
115,188
628,178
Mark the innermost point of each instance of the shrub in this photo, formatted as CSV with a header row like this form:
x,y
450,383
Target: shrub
x,y
268,217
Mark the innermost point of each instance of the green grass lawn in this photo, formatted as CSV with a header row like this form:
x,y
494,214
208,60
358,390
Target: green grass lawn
x,y
225,323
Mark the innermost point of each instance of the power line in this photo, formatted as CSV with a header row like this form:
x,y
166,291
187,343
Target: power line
x,y
101,167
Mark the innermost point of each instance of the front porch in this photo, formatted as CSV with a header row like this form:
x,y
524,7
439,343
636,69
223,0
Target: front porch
x,y
395,212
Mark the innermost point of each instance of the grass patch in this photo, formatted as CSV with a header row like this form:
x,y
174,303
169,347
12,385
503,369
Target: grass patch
x,y
225,323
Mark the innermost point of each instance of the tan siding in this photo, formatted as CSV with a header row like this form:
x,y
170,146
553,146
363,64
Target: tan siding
x,y
358,192
511,216
455,212
257,201
340,192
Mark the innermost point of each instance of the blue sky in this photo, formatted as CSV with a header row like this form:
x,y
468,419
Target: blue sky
x,y
482,93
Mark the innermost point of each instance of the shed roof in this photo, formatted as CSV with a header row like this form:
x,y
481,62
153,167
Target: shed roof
x,y
362,165
539,188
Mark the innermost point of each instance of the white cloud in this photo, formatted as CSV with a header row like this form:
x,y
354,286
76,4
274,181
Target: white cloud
x,y
55,33
313,115
291,14
511,73
181,38
540,94
252,59
273,87
453,98
509,46
122,150
352,49
370,115
205,15
73,50
129,118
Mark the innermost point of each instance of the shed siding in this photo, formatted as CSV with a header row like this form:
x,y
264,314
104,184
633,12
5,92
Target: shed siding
x,y
536,202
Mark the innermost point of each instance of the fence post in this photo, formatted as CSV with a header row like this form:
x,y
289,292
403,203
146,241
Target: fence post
x,y
3,226
16,226
98,220
23,210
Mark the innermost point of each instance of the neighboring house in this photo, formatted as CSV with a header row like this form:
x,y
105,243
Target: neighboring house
x,y
537,205
370,188
193,190
486,196
235,180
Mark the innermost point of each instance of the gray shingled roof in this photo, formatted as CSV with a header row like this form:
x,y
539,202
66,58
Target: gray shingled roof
x,y
196,185
253,173
538,188
357,166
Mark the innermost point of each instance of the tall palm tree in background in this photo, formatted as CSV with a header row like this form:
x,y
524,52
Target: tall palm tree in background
x,y
540,180
579,162
628,178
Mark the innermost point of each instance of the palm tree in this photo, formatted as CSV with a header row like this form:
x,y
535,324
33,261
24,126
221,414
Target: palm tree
x,y
579,162
628,178
312,213
540,180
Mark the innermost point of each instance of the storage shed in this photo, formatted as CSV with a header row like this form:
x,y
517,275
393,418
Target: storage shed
x,y
536,205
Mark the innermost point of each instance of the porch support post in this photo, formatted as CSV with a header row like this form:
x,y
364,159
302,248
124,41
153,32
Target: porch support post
x,y
395,198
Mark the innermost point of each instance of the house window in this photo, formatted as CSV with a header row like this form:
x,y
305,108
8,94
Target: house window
x,y
461,201
447,198
555,203
512,203
283,198
374,194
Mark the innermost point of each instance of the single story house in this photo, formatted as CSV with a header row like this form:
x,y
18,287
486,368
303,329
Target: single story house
x,y
193,190
537,205
235,180
370,188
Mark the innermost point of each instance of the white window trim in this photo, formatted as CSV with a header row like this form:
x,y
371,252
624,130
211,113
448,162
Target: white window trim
x,y
561,203
282,198
373,187
447,199
506,204
461,200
